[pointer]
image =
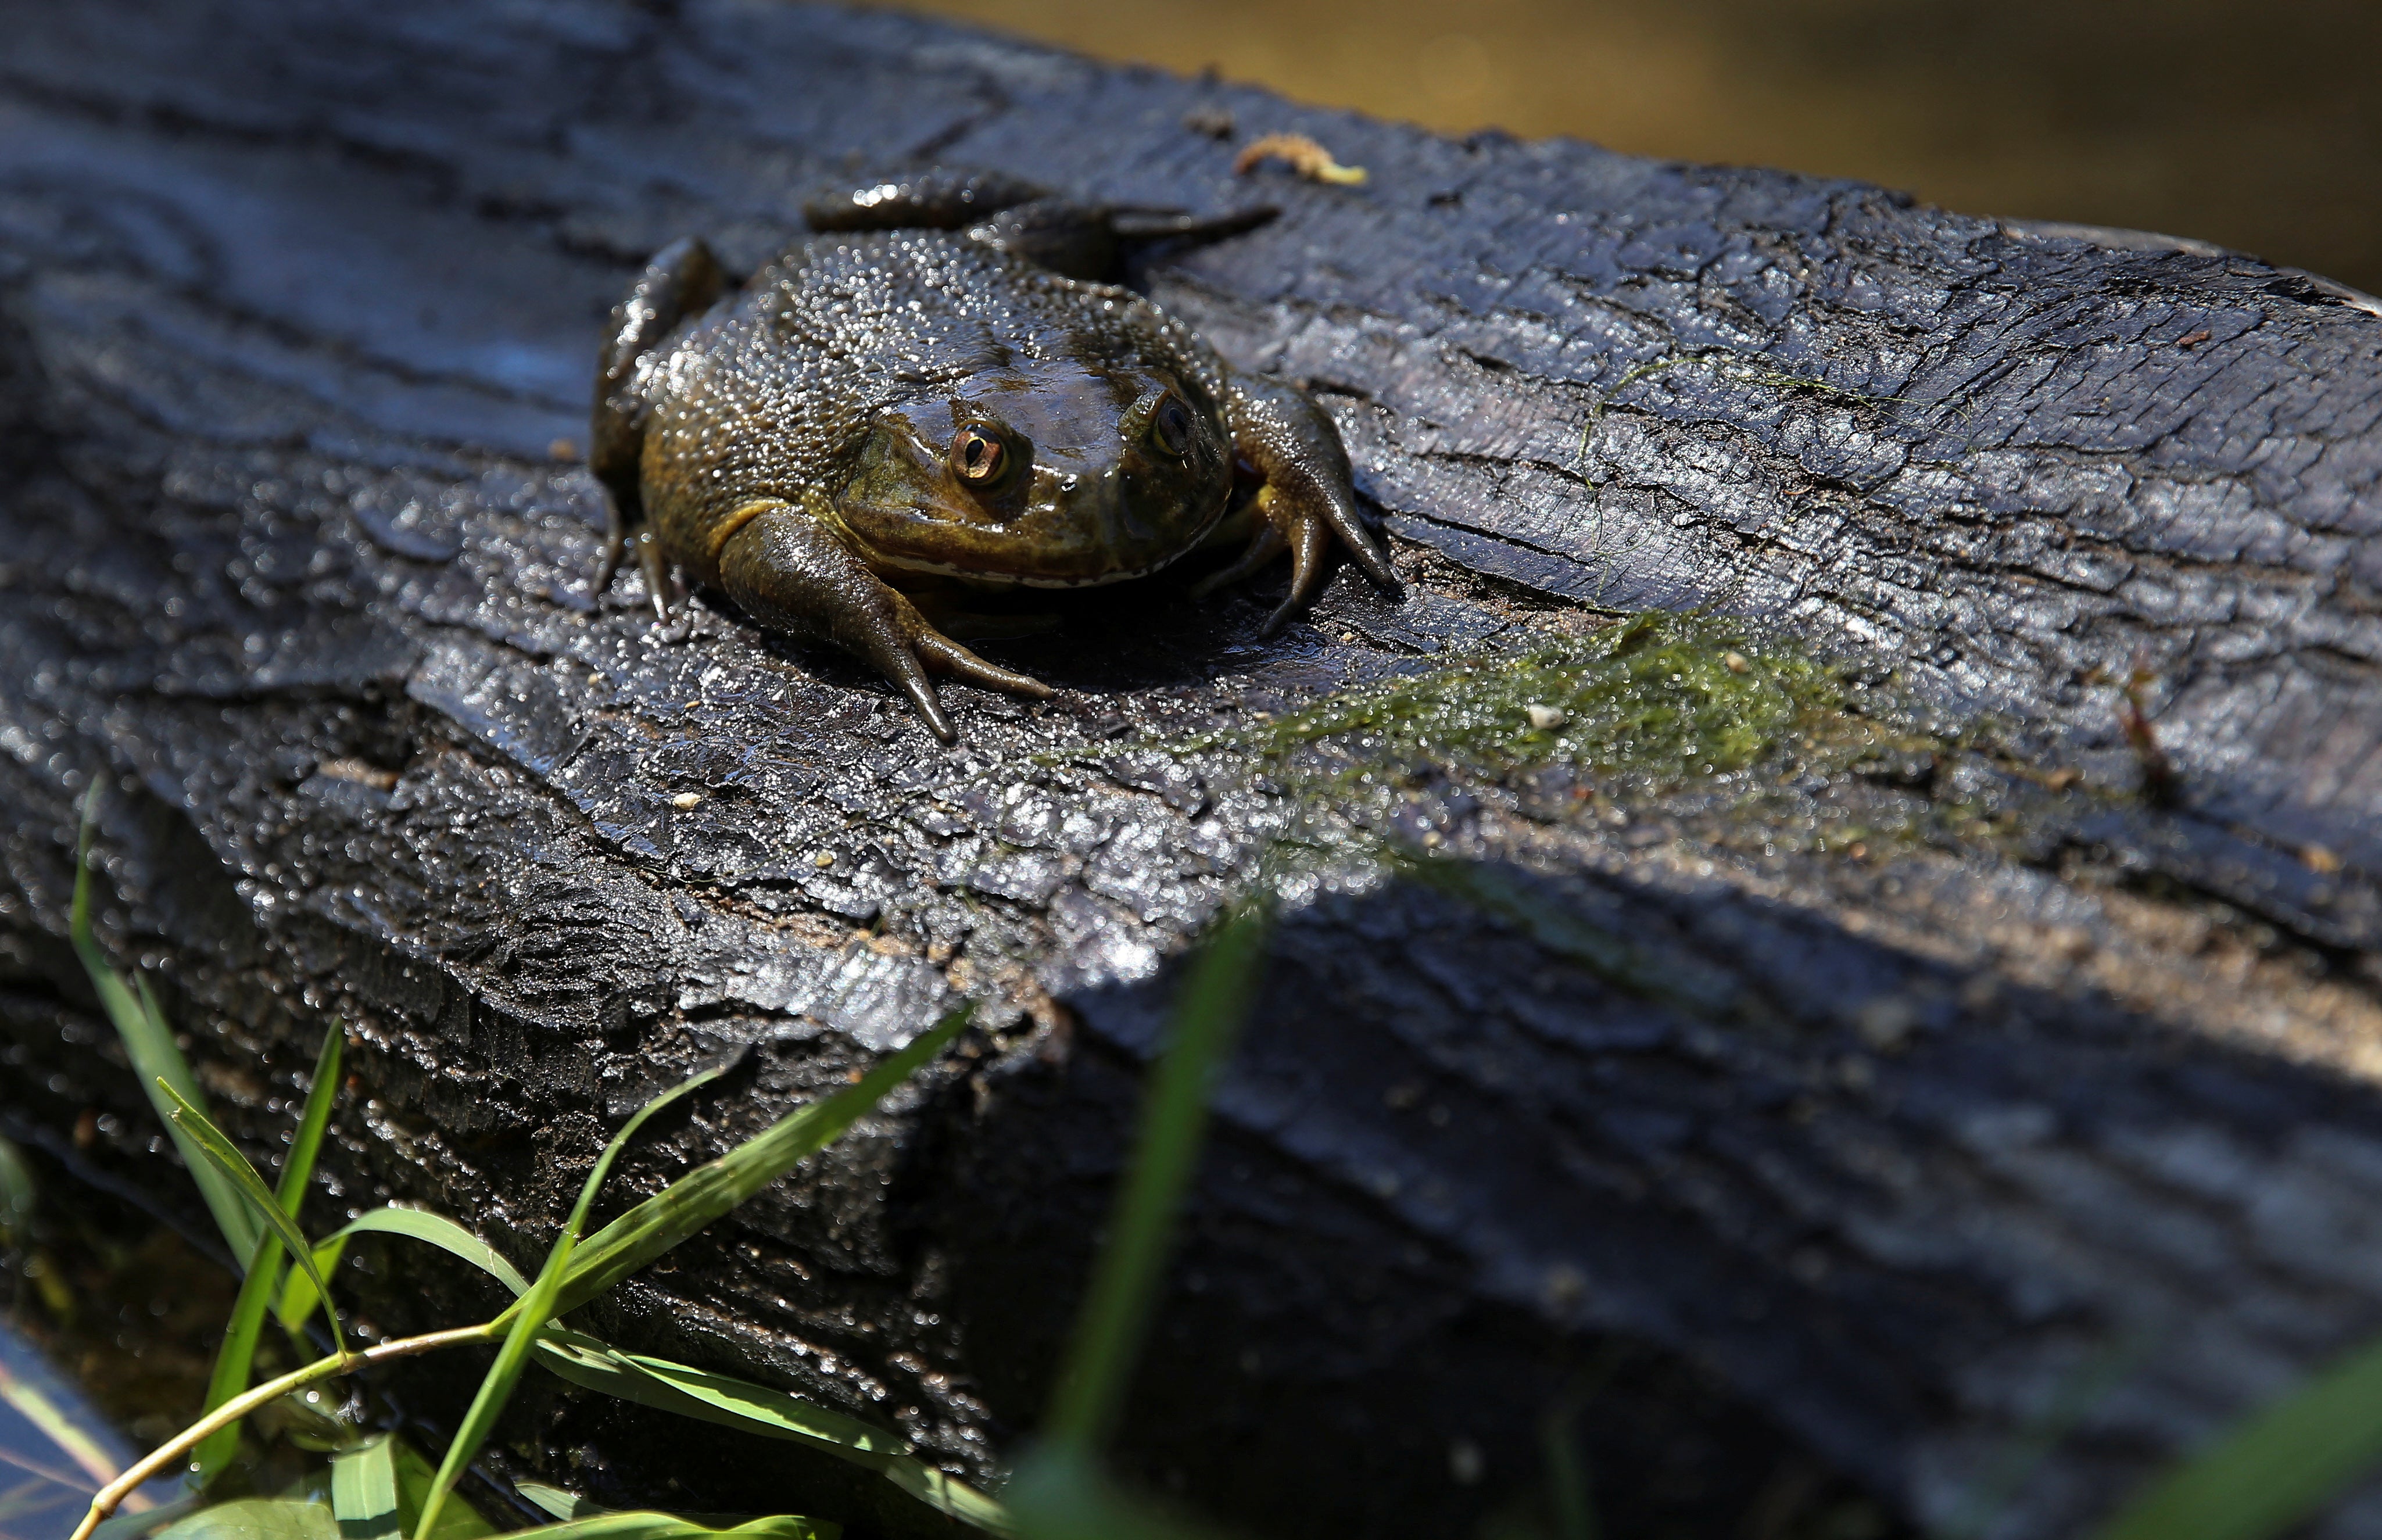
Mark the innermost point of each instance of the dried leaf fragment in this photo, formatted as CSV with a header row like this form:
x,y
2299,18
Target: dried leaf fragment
x,y
1302,155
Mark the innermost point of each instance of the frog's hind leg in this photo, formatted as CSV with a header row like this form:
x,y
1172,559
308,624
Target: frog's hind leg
x,y
792,575
683,279
1081,240
934,199
1000,212
1310,497
1089,242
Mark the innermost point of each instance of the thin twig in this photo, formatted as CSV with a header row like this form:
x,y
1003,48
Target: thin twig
x,y
154,1463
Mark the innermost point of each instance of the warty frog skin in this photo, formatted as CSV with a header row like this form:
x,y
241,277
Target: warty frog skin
x,y
933,396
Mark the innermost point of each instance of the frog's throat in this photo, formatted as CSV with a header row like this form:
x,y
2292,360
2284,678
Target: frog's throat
x,y
889,561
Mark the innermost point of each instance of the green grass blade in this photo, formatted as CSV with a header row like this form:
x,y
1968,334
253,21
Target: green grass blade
x,y
704,1194
591,1365
1058,1494
620,1141
758,1409
948,1496
214,1147
534,1308
1214,1001
457,1520
496,1388
313,1121
669,1526
149,1043
364,1498
2276,1468
1572,1510
17,1195
689,1392
556,1502
134,1526
297,1299
257,1519
238,1354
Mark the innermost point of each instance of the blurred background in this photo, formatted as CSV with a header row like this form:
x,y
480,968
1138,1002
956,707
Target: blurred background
x,y
2257,124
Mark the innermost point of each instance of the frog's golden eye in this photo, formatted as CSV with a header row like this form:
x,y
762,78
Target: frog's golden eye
x,y
1169,426
977,457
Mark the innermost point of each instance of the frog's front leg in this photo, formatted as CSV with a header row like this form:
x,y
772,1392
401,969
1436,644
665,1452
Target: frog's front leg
x,y
683,279
1310,495
791,575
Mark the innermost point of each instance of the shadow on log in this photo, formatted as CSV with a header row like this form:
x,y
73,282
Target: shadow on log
x,y
1817,1124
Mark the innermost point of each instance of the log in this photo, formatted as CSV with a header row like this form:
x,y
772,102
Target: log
x,y
1809,1139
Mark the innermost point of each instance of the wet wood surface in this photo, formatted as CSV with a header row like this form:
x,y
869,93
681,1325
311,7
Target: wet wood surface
x,y
1847,1172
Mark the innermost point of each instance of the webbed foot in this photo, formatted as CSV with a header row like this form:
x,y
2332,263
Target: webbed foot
x,y
792,575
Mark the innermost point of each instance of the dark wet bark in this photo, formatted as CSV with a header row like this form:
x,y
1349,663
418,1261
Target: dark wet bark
x,y
1859,1168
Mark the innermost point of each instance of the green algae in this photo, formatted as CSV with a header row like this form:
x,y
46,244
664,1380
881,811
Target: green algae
x,y
1649,703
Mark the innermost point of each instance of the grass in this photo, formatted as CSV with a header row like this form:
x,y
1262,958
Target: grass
x,y
379,1489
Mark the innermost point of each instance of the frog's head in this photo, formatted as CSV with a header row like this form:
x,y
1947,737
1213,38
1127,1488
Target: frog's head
x,y
1047,473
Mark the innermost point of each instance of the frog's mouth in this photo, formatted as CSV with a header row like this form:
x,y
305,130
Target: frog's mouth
x,y
1062,529
978,577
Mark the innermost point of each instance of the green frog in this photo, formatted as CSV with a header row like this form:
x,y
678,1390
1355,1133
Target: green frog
x,y
934,395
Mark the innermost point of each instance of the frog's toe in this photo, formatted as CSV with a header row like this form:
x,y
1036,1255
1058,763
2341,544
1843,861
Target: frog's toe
x,y
904,670
1263,547
659,589
1308,538
607,564
1367,552
930,650
953,660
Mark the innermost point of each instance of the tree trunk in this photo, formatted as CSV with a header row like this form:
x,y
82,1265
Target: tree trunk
x,y
1817,1132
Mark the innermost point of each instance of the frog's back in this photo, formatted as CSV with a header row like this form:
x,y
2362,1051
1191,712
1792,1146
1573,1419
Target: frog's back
x,y
771,394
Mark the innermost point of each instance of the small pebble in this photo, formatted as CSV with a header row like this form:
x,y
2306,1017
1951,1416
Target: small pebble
x,y
1545,718
1215,122
823,859
1735,662
687,799
1886,1022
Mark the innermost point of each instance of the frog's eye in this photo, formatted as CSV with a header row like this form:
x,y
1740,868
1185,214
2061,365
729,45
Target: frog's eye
x,y
977,457
1169,426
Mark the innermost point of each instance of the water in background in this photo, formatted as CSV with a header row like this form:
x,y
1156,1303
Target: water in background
x,y
108,1324
2251,123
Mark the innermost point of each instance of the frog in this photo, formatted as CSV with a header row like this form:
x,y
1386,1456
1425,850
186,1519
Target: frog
x,y
937,392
